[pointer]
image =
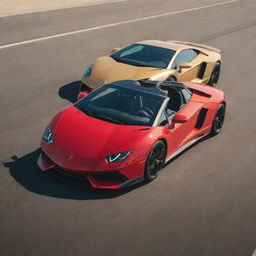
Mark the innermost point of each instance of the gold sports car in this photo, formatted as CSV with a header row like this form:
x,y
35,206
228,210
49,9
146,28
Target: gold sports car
x,y
155,60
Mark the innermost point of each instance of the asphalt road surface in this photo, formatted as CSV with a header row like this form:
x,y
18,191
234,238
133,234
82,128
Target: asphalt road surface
x,y
203,202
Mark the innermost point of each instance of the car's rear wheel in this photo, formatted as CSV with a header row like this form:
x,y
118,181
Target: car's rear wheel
x,y
215,75
218,120
155,161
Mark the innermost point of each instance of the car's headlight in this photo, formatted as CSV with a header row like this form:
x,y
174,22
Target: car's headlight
x,y
88,71
48,135
118,157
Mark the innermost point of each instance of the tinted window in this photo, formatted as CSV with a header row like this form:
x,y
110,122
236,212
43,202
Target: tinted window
x,y
184,56
144,55
121,105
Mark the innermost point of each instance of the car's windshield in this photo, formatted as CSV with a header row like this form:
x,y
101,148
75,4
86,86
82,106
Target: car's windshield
x,y
121,105
144,55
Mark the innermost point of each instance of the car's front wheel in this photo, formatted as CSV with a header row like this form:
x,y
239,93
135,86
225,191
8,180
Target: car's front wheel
x,y
218,120
155,160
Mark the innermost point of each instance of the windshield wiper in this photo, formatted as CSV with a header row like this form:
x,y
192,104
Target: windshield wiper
x,y
130,62
108,119
138,64
124,61
133,63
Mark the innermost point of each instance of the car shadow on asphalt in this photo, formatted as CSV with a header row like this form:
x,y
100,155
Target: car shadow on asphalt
x,y
26,172
70,91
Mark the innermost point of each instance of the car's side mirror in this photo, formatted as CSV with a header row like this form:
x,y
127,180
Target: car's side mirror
x,y
179,118
81,95
184,65
115,50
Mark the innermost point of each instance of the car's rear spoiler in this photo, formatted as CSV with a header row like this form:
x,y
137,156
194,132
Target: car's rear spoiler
x,y
206,47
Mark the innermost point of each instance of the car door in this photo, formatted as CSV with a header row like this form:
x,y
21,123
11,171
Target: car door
x,y
183,132
190,56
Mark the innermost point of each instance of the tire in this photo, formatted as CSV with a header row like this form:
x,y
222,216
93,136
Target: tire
x,y
171,79
218,120
215,75
155,161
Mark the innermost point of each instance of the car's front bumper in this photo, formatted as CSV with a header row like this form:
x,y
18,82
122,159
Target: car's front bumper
x,y
97,179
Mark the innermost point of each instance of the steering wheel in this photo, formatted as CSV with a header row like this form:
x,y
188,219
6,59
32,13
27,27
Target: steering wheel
x,y
144,111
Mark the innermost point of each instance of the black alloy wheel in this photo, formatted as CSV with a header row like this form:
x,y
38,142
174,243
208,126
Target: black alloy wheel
x,y
215,75
218,120
155,161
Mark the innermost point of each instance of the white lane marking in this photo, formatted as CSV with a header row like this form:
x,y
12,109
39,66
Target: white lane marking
x,y
113,24
254,253
64,8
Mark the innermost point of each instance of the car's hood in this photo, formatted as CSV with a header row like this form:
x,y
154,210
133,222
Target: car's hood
x,y
108,70
84,136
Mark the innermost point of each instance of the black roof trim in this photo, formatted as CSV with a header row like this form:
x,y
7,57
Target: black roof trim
x,y
136,85
164,85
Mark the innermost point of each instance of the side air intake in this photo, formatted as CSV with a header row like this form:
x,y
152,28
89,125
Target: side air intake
x,y
201,118
201,70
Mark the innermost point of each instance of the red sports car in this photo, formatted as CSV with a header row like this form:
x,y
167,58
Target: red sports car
x,y
124,132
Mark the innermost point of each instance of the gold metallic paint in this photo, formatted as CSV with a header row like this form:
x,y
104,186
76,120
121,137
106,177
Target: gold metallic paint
x,y
106,70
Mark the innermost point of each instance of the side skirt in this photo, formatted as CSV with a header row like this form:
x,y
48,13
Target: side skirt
x,y
184,147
